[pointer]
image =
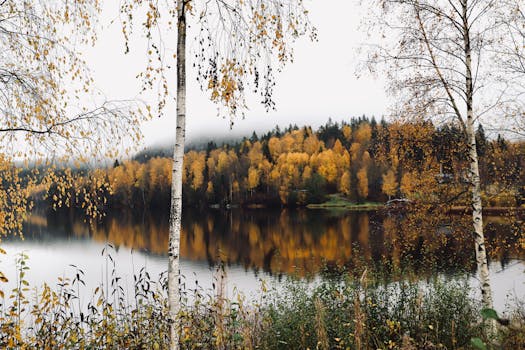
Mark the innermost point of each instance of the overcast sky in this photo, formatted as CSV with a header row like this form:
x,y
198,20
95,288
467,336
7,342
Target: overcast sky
x,y
321,82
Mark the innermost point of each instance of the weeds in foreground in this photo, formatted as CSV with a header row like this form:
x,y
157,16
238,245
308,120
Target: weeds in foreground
x,y
335,313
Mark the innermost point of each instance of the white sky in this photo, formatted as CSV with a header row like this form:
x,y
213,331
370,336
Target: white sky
x,y
321,83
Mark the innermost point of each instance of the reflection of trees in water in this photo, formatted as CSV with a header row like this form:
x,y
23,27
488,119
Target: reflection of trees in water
x,y
445,242
303,241
507,237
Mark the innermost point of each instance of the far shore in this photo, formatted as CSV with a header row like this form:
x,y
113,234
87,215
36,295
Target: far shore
x,y
337,203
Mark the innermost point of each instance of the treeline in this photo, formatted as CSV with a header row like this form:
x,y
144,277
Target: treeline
x,y
362,160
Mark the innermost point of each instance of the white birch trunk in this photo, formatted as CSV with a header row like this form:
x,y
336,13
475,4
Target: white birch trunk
x,y
176,183
477,217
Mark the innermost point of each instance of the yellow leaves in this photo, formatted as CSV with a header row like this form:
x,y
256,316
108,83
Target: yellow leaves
x,y
195,163
287,170
227,52
312,144
223,161
409,184
278,34
345,183
3,278
39,54
307,174
224,85
355,150
209,188
363,133
255,154
347,132
212,84
390,185
362,183
253,178
274,145
329,164
14,201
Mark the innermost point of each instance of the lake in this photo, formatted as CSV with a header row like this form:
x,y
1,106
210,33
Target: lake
x,y
267,244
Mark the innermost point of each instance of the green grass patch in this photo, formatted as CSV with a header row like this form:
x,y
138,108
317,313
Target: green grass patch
x,y
337,201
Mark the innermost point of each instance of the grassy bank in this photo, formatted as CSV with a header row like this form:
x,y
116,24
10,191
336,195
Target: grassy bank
x,y
336,313
336,201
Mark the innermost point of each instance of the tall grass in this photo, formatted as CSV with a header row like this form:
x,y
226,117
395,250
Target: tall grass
x,y
335,313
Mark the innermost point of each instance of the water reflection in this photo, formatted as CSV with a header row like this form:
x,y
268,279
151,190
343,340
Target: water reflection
x,y
298,241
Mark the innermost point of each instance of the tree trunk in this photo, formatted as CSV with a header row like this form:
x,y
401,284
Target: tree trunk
x,y
477,217
176,183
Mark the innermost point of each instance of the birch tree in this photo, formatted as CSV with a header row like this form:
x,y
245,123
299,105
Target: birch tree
x,y
45,87
239,45
510,54
438,59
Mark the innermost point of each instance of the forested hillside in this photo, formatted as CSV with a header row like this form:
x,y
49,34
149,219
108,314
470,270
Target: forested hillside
x,y
361,160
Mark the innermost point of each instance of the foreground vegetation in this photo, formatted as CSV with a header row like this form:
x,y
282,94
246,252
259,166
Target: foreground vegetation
x,y
340,311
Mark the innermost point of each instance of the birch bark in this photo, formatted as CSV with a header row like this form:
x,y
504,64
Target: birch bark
x,y
176,183
477,216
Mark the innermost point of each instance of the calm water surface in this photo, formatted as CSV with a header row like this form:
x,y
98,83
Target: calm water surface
x,y
264,244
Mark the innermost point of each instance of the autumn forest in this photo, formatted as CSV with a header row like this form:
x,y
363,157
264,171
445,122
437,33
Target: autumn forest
x,y
139,209
362,160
